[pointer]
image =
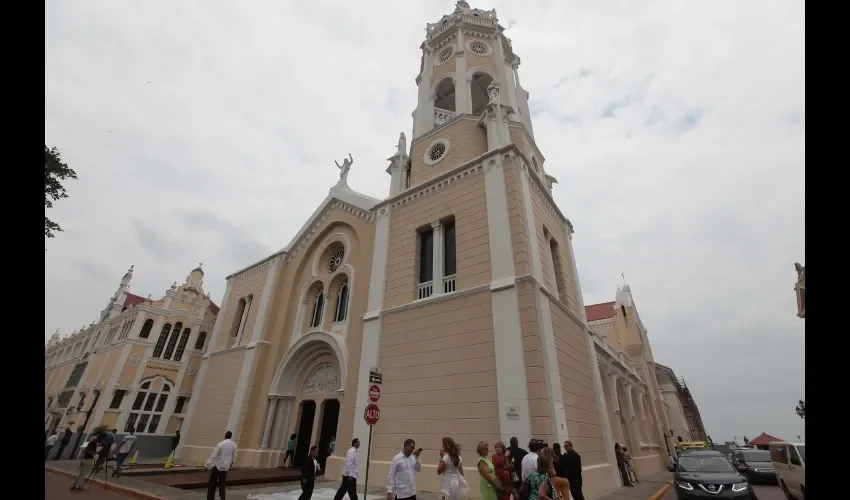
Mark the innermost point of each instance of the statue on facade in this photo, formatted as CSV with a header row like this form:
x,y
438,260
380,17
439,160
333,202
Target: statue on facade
x,y
345,167
493,92
402,144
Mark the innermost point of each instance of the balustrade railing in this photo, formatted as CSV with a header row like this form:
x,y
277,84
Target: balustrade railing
x,y
449,284
425,290
442,116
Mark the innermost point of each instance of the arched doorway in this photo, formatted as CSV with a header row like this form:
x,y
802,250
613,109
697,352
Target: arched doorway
x,y
313,374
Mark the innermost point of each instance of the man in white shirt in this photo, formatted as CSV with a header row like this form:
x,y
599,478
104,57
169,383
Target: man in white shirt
x,y
350,472
128,442
222,460
529,461
401,481
48,445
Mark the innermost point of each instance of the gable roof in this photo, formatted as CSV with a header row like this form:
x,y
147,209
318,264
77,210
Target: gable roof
x,y
763,439
595,312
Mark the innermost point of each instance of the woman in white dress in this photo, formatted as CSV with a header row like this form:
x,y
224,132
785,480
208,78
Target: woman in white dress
x,y
453,485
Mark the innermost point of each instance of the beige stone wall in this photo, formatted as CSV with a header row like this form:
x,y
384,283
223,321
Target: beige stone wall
x,y
189,378
583,420
545,217
474,61
439,371
466,141
516,214
214,400
247,284
465,200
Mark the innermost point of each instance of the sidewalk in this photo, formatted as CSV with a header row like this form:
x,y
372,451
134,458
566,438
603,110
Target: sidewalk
x,y
646,490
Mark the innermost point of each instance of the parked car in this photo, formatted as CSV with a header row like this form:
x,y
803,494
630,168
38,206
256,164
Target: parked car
x,y
755,465
789,465
709,474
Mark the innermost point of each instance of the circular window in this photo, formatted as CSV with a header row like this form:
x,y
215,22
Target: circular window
x,y
436,151
478,47
335,261
444,55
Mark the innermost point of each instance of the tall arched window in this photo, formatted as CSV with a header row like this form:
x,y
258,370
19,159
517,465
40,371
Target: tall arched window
x,y
147,408
146,329
199,342
318,309
181,347
172,342
342,302
160,342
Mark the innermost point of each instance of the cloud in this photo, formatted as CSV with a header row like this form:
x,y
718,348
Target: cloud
x,y
676,131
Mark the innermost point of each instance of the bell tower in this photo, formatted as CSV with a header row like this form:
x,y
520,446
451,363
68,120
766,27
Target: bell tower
x,y
470,100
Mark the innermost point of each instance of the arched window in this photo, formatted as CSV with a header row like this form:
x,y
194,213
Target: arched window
x,y
237,318
199,342
318,309
146,329
444,100
181,347
172,342
478,92
160,342
342,302
147,408
557,269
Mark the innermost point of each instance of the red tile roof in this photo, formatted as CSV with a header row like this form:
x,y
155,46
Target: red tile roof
x,y
213,308
595,312
133,300
763,439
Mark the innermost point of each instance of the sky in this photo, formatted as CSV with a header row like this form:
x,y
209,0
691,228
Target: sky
x,y
207,132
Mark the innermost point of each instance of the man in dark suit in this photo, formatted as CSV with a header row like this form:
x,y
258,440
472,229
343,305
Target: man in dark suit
x,y
308,474
572,462
517,454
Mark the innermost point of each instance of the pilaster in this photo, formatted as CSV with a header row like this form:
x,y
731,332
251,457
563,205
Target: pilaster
x,y
612,380
104,401
273,402
463,99
437,279
205,360
424,117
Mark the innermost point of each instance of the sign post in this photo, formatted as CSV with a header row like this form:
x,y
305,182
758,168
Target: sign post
x,y
371,415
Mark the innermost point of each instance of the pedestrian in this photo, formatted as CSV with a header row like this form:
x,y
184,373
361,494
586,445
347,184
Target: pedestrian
x,y
540,485
126,446
401,480
559,483
671,462
66,438
450,468
49,443
175,440
290,451
87,459
489,485
621,465
529,461
350,473
630,465
572,464
558,461
308,474
504,467
222,459
516,454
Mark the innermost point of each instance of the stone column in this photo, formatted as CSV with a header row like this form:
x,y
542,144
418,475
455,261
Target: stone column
x,y
438,258
629,389
281,422
267,430
615,398
317,422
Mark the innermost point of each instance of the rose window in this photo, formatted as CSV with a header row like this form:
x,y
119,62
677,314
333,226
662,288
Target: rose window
x,y
445,54
437,151
335,261
478,48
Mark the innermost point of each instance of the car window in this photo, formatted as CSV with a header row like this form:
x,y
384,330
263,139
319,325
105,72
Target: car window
x,y
795,458
756,456
704,464
802,451
778,454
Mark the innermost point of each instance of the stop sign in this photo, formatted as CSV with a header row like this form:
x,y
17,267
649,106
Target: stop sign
x,y
374,393
372,414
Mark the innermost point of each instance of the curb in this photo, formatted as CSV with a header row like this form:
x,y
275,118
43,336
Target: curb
x,y
660,493
110,486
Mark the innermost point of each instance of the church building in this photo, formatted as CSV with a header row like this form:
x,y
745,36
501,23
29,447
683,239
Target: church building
x,y
459,287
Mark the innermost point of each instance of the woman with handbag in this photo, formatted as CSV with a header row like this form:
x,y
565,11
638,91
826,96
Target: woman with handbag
x,y
503,466
453,485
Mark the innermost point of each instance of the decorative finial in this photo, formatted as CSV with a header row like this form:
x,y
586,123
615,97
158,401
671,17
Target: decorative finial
x,y
149,296
200,265
624,277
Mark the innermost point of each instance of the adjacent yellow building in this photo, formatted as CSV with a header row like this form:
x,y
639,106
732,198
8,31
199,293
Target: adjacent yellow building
x,y
460,287
133,368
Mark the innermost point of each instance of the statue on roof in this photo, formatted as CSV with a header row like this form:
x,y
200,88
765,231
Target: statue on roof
x,y
402,144
345,167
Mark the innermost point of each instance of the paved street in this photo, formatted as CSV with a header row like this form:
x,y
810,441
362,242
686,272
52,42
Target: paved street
x,y
763,493
57,487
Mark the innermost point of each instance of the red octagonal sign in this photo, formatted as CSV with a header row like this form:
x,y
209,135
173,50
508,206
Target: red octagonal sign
x,y
374,393
372,414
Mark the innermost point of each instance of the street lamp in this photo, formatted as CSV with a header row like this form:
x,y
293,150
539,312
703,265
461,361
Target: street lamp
x,y
801,409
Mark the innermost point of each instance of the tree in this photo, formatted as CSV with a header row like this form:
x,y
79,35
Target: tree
x,y
54,173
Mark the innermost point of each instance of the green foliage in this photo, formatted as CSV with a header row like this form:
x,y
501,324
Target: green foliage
x,y
55,171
